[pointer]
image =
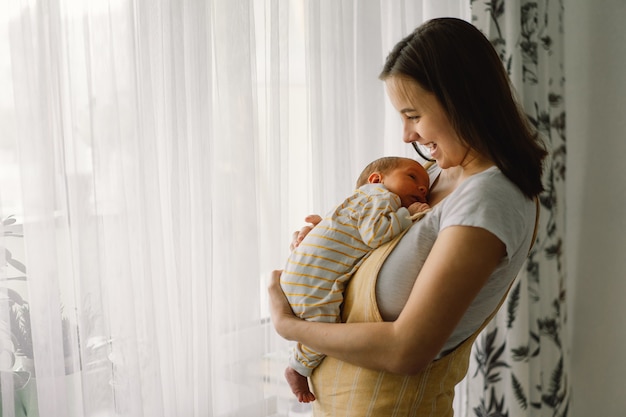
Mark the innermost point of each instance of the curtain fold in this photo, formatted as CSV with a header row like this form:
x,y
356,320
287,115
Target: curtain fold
x,y
136,143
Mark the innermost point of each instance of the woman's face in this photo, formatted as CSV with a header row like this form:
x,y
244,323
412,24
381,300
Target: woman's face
x,y
426,122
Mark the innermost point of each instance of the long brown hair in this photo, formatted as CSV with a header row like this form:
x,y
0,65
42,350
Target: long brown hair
x,y
452,59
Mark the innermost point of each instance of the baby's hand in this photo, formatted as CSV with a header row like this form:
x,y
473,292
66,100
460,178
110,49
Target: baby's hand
x,y
418,208
299,235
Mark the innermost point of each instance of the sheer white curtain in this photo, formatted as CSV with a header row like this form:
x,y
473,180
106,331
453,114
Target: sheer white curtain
x,y
155,156
352,121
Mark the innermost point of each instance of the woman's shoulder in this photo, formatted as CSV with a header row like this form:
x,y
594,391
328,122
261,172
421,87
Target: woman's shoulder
x,y
489,187
489,200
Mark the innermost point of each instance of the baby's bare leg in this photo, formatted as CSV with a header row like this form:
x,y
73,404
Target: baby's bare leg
x,y
299,385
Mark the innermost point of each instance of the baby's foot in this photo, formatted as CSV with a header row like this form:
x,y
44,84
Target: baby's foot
x,y
299,385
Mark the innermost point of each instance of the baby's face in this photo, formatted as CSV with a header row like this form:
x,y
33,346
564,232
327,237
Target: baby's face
x,y
409,181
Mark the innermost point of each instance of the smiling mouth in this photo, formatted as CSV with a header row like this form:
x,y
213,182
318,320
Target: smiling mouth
x,y
416,146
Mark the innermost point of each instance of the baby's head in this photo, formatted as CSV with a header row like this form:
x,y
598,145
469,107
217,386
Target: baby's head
x,y
404,177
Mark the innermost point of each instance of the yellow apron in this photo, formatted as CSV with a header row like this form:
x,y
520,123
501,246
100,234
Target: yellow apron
x,y
344,390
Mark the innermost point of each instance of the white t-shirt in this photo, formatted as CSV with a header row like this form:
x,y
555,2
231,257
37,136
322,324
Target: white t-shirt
x,y
487,200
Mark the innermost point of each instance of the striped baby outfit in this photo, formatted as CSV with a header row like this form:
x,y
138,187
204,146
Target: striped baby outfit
x,y
317,271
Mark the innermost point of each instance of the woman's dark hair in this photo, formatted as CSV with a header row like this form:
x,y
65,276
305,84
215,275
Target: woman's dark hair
x,y
452,59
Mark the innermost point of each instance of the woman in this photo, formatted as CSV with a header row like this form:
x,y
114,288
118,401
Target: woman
x,y
415,306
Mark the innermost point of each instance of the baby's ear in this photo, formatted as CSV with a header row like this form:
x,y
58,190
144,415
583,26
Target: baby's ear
x,y
375,178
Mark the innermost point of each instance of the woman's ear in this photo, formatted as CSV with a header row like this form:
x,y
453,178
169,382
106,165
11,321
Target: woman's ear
x,y
375,178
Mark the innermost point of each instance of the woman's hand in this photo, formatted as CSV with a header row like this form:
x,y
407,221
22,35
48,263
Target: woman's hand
x,y
280,310
299,235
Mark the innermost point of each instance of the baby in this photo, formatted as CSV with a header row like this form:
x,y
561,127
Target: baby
x,y
391,193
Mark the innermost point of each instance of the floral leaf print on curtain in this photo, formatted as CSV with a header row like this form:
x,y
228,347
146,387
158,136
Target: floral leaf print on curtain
x,y
519,364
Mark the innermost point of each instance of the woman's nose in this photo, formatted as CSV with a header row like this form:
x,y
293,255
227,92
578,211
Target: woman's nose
x,y
408,134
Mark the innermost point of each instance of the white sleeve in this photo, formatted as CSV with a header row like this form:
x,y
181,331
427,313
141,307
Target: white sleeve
x,y
499,208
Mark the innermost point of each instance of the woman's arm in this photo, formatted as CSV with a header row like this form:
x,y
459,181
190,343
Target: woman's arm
x,y
458,266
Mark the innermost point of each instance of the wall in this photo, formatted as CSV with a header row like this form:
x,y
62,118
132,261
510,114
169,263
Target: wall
x,y
595,67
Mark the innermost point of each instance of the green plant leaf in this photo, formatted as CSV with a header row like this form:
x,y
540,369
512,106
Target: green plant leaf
x,y
17,278
17,265
7,221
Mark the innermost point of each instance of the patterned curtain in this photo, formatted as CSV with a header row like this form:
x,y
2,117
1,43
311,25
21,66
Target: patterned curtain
x,y
519,364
